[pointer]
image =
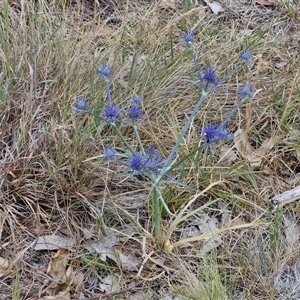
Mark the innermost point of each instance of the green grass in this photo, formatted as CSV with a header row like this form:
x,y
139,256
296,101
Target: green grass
x,y
49,55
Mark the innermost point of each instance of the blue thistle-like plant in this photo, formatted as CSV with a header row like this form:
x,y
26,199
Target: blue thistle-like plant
x,y
154,162
215,133
189,37
246,56
150,163
209,76
136,163
111,114
137,100
134,113
109,153
105,71
246,91
81,106
153,152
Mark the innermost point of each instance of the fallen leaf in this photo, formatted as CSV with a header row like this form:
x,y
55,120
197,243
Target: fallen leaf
x,y
264,2
282,65
203,225
254,156
105,247
53,242
4,267
227,155
63,276
129,262
189,231
292,233
109,284
266,146
140,295
293,137
211,226
298,154
2,220
226,214
57,266
215,6
244,147
245,32
168,4
65,295
227,220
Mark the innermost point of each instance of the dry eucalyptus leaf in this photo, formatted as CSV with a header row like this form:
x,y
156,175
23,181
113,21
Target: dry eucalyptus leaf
x,y
129,262
254,156
4,267
140,295
282,65
264,2
245,33
57,266
168,294
293,137
227,220
78,281
110,284
63,276
105,247
292,233
215,6
53,242
2,220
226,215
211,226
244,147
227,155
168,4
63,295
189,231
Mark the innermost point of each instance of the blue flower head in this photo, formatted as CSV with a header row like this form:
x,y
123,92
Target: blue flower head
x,y
154,162
246,91
105,71
246,56
136,163
150,163
215,133
111,114
134,113
153,152
189,37
209,76
137,100
80,106
109,153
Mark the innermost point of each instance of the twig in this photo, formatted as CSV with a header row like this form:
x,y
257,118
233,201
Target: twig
x,y
286,197
113,294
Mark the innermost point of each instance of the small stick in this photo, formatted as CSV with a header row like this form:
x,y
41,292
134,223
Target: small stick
x,y
286,197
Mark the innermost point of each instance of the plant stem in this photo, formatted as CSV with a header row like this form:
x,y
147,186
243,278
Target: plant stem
x,y
167,166
156,216
108,93
122,137
136,132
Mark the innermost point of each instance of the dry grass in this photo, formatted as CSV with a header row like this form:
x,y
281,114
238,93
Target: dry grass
x,y
49,53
